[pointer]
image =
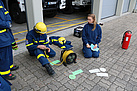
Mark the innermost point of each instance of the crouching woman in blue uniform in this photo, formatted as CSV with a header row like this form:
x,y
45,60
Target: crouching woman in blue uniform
x,y
37,43
91,34
6,41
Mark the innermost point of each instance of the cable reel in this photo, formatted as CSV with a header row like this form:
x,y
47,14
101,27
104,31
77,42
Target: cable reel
x,y
68,57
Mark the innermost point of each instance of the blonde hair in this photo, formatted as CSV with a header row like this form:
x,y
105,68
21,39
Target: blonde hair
x,y
94,22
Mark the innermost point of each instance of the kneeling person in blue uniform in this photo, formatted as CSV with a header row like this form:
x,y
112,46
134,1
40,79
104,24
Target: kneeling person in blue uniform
x,y
91,37
37,42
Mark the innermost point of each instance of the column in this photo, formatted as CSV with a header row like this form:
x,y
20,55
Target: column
x,y
34,12
132,5
97,9
119,9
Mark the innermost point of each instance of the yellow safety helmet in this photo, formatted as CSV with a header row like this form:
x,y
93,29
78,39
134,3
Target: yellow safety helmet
x,y
62,40
41,28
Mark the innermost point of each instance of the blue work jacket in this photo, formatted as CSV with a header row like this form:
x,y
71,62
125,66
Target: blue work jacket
x,y
34,39
54,40
91,37
6,36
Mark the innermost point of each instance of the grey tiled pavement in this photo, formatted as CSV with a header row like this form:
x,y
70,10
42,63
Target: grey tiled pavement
x,y
121,64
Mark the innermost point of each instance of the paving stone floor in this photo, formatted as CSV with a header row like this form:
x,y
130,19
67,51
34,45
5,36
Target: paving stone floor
x,y
121,65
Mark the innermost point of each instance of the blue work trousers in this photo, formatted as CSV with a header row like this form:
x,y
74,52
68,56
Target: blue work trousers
x,y
88,53
6,60
40,55
4,85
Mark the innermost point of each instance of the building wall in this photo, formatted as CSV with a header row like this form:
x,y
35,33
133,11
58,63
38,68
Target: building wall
x,y
97,8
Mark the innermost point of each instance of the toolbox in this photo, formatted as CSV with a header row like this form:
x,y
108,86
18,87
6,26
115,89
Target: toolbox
x,y
78,31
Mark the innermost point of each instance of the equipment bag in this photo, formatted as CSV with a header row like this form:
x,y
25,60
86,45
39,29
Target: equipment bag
x,y
78,31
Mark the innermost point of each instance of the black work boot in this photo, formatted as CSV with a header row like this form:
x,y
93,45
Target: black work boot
x,y
10,77
15,67
49,69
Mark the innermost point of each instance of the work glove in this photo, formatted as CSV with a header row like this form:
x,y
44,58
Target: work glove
x,y
14,46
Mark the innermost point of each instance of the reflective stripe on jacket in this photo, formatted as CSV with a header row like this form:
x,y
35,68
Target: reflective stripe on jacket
x,y
6,36
34,39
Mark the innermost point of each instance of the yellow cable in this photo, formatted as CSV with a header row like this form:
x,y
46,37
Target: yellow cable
x,y
52,62
64,56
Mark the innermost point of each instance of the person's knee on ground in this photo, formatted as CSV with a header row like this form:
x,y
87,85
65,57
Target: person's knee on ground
x,y
95,55
87,53
91,54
